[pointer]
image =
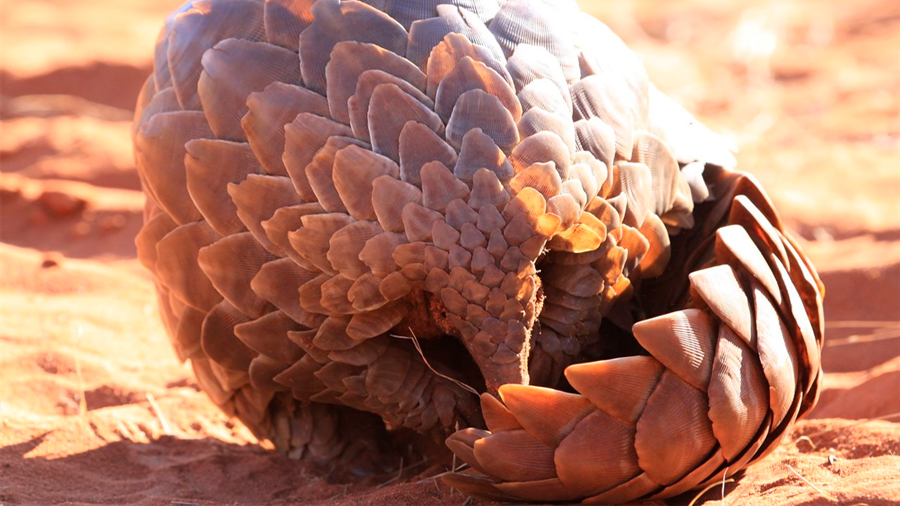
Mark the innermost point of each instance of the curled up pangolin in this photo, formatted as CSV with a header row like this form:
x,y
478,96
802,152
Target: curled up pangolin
x,y
474,219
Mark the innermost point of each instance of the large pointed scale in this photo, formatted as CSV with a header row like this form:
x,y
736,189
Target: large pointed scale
x,y
159,153
201,27
335,21
479,109
537,24
232,70
211,165
268,112
231,263
257,198
349,60
285,20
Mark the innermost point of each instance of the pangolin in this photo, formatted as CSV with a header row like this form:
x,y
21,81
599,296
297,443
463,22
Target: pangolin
x,y
469,218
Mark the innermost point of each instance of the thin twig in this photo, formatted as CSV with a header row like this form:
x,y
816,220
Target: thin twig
x,y
817,489
724,474
807,439
123,431
400,474
445,473
415,341
453,464
159,414
82,401
710,487
746,484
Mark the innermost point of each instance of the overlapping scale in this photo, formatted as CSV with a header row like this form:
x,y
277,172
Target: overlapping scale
x,y
286,220
230,264
277,282
420,145
548,415
159,155
676,414
479,152
619,387
603,52
409,11
600,96
268,112
211,165
201,27
672,195
355,169
738,400
285,20
232,70
154,229
335,21
358,105
346,244
467,75
257,199
597,455
424,35
538,120
390,109
177,268
453,48
471,26
320,174
479,109
349,60
515,455
545,94
537,24
267,335
304,137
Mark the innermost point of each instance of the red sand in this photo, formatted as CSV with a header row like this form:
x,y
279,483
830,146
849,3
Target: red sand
x,y
807,89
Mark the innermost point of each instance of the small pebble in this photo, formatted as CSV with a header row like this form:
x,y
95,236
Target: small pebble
x,y
61,205
111,223
51,260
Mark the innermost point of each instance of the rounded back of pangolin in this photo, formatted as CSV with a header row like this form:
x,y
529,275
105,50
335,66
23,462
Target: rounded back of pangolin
x,y
393,206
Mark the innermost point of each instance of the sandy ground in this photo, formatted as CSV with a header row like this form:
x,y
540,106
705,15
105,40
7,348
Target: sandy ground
x,y
95,408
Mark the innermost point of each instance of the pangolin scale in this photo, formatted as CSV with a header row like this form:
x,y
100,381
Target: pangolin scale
x,y
474,219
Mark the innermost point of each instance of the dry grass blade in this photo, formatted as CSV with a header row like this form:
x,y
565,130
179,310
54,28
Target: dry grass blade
x,y
418,346
724,481
402,469
807,439
82,400
710,487
821,492
159,415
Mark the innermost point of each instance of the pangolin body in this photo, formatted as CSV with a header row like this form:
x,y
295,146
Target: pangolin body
x,y
369,213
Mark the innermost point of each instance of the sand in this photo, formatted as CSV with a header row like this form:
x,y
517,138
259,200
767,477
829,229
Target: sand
x,y
96,409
